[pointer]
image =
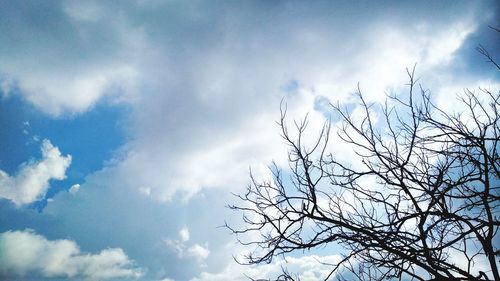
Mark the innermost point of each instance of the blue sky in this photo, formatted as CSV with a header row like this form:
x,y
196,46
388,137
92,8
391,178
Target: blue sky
x,y
126,125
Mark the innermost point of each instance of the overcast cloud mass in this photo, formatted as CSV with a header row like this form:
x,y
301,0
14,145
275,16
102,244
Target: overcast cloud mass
x,y
126,125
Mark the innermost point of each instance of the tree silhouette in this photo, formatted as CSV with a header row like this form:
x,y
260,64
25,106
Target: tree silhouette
x,y
421,204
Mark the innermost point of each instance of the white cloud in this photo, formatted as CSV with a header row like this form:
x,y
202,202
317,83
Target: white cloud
x,y
74,93
307,268
198,251
74,188
180,246
31,182
184,234
24,253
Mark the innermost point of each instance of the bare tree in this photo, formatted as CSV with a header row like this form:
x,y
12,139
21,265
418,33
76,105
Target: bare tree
x,y
422,203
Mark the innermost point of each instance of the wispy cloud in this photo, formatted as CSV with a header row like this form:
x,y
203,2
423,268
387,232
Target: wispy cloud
x,y
185,249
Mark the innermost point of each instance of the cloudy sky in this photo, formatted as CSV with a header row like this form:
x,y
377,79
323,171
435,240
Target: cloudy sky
x,y
126,125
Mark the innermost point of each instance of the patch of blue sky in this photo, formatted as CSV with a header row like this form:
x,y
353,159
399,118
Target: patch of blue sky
x,y
90,138
474,63
291,87
15,146
322,104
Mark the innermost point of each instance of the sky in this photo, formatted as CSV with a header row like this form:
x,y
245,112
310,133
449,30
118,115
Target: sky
x,y
125,126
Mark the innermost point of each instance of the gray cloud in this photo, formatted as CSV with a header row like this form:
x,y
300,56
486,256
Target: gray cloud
x,y
62,62
204,81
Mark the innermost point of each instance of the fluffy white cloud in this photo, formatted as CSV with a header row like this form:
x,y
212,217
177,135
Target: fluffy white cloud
x,y
32,180
25,253
307,268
